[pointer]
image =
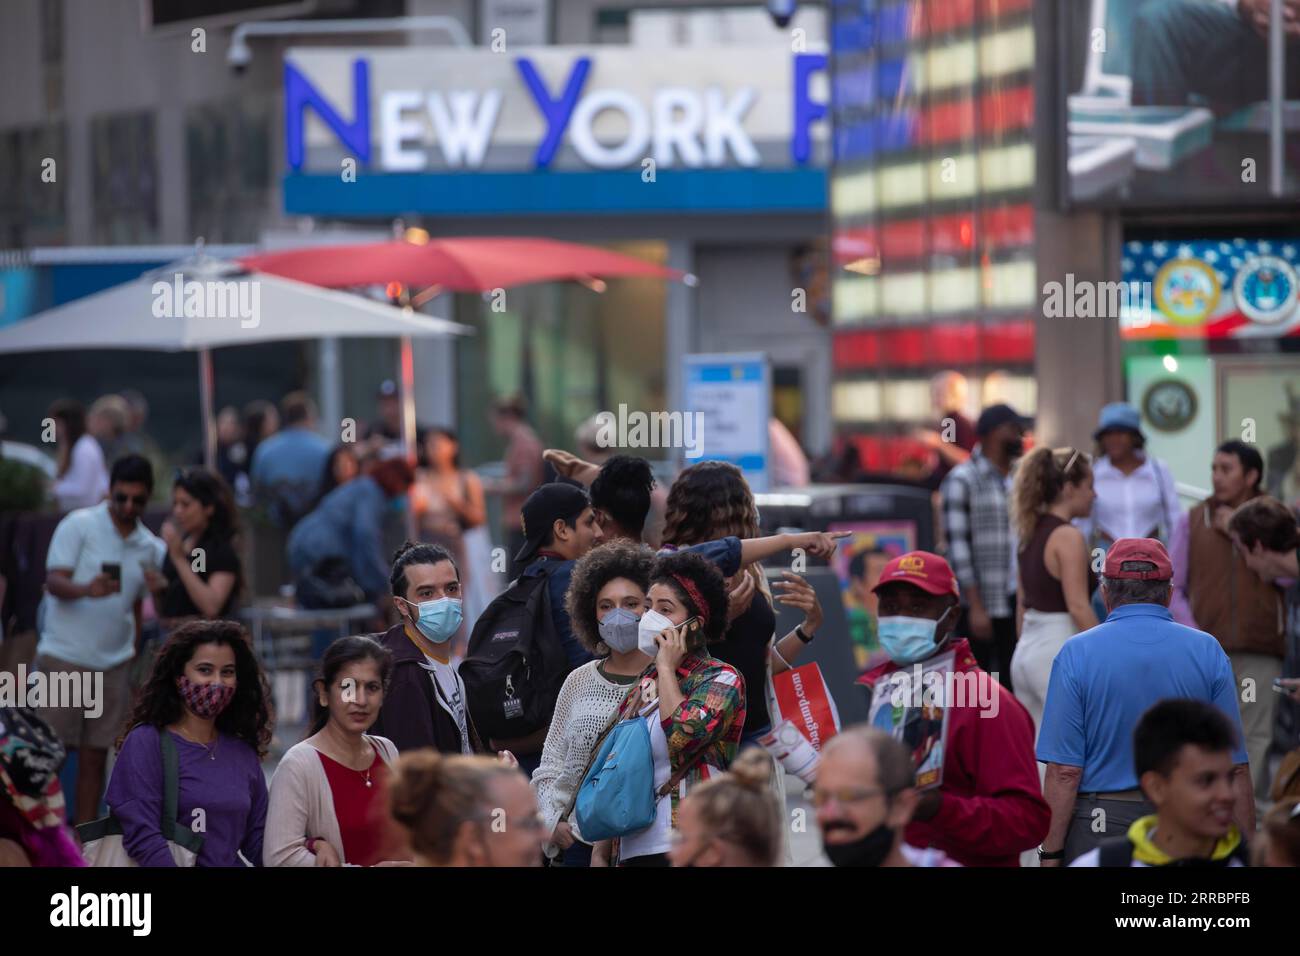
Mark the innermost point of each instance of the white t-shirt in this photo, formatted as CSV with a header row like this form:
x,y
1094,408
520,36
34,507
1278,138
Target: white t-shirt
x,y
448,687
96,633
657,837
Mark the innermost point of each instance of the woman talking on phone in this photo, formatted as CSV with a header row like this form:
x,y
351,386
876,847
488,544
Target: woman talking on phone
x,y
693,704
201,573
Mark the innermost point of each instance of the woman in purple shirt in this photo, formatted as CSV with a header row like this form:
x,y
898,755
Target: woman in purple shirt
x,y
207,690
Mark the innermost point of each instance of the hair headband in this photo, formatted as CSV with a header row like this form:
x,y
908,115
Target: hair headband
x,y
693,592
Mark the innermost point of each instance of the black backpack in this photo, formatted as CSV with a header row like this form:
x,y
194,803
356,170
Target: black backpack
x,y
515,665
328,584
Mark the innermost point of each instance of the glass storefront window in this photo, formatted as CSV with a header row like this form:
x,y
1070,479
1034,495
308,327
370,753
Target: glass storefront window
x,y
123,153
33,210
569,351
228,158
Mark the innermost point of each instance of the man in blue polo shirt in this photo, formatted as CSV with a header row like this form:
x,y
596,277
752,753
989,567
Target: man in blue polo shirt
x,y
1102,681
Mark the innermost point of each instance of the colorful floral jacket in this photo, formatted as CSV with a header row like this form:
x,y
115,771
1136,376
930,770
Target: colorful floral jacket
x,y
708,723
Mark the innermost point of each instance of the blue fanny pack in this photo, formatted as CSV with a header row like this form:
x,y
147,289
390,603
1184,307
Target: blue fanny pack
x,y
617,796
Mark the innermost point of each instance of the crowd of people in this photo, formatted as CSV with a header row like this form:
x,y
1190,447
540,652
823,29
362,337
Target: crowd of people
x,y
613,705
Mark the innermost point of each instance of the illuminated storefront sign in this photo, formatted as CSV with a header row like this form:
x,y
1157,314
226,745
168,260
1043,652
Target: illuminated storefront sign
x,y
552,108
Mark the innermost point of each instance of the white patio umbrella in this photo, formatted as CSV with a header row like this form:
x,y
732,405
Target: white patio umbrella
x,y
202,303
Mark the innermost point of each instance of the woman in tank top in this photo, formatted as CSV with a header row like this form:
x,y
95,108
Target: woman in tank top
x,y
1052,487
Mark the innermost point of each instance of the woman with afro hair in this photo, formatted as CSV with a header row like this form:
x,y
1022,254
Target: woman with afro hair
x,y
605,601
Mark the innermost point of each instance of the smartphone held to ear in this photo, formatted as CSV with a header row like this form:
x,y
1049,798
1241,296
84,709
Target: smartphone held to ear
x,y
694,630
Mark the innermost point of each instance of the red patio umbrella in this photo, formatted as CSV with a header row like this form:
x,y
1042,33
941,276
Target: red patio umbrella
x,y
428,266
456,264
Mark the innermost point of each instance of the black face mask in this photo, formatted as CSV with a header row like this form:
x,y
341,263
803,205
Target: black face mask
x,y
869,850
1015,447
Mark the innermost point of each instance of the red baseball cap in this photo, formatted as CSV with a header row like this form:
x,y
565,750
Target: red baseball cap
x,y
1138,549
927,571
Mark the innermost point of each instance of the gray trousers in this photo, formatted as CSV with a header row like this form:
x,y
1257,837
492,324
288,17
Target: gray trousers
x,y
1097,818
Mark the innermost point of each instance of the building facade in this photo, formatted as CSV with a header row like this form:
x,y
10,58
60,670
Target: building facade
x,y
693,135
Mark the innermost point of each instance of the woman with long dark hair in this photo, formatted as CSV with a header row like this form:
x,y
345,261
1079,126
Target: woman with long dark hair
x,y
693,704
202,569
451,509
327,803
261,421
82,477
208,693
712,500
341,466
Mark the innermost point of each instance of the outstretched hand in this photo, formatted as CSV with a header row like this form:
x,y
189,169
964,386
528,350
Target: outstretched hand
x,y
820,544
565,463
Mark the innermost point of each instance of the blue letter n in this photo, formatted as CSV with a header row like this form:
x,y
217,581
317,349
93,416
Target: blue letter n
x,y
299,94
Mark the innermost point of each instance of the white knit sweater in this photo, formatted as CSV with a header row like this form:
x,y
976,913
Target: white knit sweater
x,y
584,709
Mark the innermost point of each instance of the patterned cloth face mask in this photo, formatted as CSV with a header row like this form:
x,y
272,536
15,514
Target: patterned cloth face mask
x,y
205,700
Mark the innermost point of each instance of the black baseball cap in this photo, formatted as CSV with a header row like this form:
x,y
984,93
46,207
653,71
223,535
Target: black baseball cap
x,y
549,503
996,415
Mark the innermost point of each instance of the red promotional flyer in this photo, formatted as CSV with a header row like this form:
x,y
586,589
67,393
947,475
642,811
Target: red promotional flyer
x,y
802,699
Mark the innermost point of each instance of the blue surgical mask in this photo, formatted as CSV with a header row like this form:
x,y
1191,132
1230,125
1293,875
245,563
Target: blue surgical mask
x,y
439,619
619,629
907,639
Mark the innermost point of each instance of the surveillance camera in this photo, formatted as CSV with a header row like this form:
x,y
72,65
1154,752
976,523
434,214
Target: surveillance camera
x,y
239,56
782,11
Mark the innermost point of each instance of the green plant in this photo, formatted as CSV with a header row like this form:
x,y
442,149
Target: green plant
x,y
22,487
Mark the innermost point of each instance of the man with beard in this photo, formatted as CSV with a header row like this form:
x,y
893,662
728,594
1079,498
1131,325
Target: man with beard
x,y
864,796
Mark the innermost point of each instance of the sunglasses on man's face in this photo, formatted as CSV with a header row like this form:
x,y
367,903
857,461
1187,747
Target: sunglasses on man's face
x,y
138,500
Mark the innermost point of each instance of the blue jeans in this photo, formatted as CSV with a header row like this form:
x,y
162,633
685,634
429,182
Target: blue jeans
x,y
577,855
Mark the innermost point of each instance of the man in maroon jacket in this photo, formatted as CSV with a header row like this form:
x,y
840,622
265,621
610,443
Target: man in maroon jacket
x,y
989,807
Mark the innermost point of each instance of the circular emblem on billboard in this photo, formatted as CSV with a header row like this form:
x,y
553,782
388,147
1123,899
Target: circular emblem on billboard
x,y
1265,290
1169,405
1187,290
